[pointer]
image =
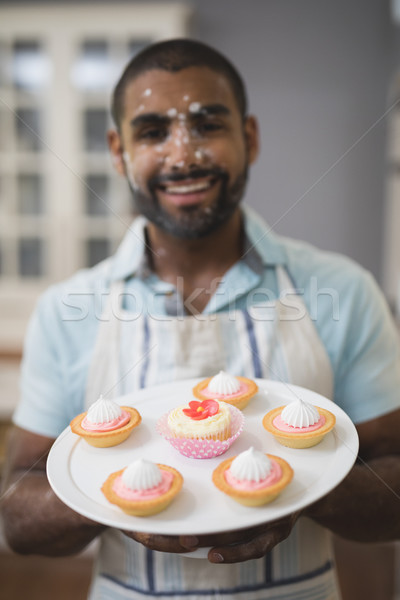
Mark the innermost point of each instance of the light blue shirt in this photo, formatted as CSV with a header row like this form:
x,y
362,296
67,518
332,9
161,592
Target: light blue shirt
x,y
343,300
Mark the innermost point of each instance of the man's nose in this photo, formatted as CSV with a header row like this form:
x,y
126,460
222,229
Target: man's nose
x,y
182,149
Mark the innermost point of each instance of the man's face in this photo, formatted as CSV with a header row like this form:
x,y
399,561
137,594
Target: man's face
x,y
184,149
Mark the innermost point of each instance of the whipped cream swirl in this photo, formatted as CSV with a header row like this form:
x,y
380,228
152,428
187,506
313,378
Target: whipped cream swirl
x,y
142,475
223,384
103,411
300,414
251,465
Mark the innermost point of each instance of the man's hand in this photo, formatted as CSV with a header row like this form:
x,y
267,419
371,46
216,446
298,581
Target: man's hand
x,y
165,543
231,547
239,546
365,506
35,521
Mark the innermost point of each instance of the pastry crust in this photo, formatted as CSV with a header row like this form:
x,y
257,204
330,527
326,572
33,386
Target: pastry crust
x,y
240,401
255,497
295,439
143,508
105,439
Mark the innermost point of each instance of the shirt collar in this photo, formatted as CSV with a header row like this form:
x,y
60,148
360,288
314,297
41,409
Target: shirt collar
x,y
131,255
261,240
262,247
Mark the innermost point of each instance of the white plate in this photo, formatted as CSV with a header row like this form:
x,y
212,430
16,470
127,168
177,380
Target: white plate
x,y
76,471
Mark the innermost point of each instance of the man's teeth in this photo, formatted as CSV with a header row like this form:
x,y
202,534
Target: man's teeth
x,y
187,189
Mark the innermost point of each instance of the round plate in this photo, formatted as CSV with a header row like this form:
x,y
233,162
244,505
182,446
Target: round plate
x,y
76,471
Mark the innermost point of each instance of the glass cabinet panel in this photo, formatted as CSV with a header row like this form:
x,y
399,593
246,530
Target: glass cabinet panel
x,y
95,129
28,130
30,194
97,249
97,201
92,69
30,65
30,257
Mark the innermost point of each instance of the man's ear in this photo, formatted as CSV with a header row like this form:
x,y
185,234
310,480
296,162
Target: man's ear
x,y
116,151
252,138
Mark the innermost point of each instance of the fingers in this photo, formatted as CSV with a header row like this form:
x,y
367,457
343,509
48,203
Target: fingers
x,y
228,547
156,542
164,543
238,536
223,539
247,550
260,541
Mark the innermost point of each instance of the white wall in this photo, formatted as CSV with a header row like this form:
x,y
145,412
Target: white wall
x,y
318,73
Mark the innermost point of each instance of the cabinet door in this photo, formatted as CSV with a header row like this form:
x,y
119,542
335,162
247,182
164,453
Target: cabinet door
x,y
61,206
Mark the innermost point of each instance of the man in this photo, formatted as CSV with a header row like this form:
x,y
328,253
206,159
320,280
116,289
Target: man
x,y
184,141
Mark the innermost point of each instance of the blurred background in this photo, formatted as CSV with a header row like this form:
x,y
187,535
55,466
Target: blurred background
x,y
323,78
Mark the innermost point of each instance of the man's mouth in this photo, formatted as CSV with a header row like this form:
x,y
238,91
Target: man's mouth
x,y
187,188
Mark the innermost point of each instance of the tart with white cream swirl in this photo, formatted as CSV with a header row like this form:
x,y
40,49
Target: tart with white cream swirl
x,y
237,391
106,423
143,488
299,424
253,478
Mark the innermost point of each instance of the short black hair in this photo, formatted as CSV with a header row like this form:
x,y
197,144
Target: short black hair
x,y
174,55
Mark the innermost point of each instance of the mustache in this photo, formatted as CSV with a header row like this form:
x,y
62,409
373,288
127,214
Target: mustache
x,y
213,172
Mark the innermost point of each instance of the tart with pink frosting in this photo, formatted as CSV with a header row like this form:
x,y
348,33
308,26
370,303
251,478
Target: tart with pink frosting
x,y
234,390
106,423
143,488
299,424
253,478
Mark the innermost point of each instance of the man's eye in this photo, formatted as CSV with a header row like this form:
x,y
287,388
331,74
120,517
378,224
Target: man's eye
x,y
154,133
208,127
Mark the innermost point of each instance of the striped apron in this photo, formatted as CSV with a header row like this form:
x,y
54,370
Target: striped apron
x,y
275,340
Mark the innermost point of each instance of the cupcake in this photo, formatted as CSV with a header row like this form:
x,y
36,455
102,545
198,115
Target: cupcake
x,y
299,424
105,423
209,419
234,390
201,429
252,478
143,488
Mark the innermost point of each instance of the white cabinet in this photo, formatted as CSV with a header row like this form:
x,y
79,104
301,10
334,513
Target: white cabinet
x,y
61,207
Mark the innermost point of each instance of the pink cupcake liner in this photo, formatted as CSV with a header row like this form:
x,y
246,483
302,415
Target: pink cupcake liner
x,y
195,448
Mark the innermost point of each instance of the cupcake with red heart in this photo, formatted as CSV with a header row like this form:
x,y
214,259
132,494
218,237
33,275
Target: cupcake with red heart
x,y
106,423
236,391
208,419
202,429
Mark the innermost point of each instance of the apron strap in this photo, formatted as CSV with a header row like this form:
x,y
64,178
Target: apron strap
x,y
285,283
311,368
104,370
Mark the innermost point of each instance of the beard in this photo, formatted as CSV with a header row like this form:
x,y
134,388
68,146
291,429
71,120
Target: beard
x,y
193,222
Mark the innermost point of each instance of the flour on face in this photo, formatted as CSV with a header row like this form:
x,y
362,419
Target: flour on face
x,y
129,170
194,107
